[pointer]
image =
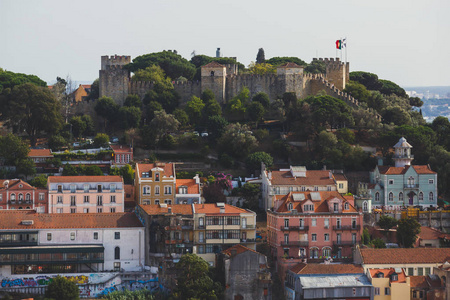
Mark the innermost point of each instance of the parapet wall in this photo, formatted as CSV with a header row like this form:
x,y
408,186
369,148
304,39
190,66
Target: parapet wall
x,y
114,60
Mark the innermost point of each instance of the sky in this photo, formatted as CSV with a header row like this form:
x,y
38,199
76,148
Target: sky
x,y
405,41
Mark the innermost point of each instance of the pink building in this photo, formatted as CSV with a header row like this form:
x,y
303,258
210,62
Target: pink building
x,y
85,194
122,155
17,194
314,225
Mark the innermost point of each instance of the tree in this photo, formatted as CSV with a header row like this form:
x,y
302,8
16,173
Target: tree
x,y
213,193
415,101
194,281
62,288
441,126
330,111
90,129
251,193
255,159
316,67
78,126
93,171
386,222
261,69
260,57
277,61
181,116
130,116
13,150
358,91
216,127
107,109
26,167
256,112
39,181
101,139
378,243
151,108
163,123
56,142
366,237
389,88
407,231
95,90
262,98
194,109
33,109
346,135
237,140
369,80
133,100
208,96
126,172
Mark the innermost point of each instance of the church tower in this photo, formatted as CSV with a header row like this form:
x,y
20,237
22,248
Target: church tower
x,y
402,155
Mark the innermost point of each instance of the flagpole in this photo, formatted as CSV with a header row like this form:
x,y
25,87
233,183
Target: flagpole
x,y
346,50
341,48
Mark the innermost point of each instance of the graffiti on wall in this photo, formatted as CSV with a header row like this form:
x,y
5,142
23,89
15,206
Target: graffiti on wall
x,y
132,285
41,281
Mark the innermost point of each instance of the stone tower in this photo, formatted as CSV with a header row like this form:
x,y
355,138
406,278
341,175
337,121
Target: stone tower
x,y
290,78
214,78
402,155
337,72
114,79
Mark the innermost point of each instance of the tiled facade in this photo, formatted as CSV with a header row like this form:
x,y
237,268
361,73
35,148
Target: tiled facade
x,y
85,194
155,183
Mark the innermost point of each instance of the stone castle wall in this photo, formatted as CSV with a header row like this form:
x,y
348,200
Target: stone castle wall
x,y
114,79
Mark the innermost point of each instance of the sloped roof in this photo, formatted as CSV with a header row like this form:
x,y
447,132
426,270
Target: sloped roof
x,y
167,167
157,209
339,177
320,205
420,169
66,179
402,143
387,273
239,249
418,282
192,186
14,184
429,233
213,64
11,219
213,209
121,148
404,255
290,65
40,153
304,268
313,177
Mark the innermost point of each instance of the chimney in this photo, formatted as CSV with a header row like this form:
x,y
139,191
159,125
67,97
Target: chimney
x,y
222,210
197,179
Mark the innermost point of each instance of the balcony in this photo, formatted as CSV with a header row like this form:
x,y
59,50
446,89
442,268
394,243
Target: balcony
x,y
347,227
403,156
172,228
187,227
294,228
344,243
295,243
248,226
411,186
248,240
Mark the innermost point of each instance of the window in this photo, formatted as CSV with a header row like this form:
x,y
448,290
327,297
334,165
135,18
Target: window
x,y
346,206
316,188
391,181
157,190
341,185
86,210
303,188
73,201
338,238
410,271
354,238
146,190
156,201
365,206
200,249
326,237
113,199
286,238
41,196
99,188
201,237
326,223
391,196
58,210
13,197
286,223
420,196
427,271
167,190
86,188
95,235
59,199
20,197
73,210
336,207
420,271
353,223
113,209
117,253
290,206
400,196
117,235
313,237
28,197
313,222
308,207
156,176
86,199
326,252
377,196
72,236
411,181
201,222
73,188
59,188
128,158
338,223
49,236
182,190
99,209
168,201
387,291
329,188
430,197
99,200
430,181
377,291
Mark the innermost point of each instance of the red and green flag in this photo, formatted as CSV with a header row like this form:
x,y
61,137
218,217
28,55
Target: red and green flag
x,y
340,44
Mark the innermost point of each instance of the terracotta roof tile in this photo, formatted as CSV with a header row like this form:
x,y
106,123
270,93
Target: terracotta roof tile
x,y
167,167
304,268
12,220
339,177
40,153
314,177
387,273
239,249
65,179
157,209
213,64
319,205
290,65
418,282
15,183
428,233
404,255
192,186
212,208
423,169
121,148
420,169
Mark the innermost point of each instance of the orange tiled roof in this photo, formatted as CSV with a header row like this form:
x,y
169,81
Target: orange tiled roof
x,y
290,65
239,249
65,179
192,186
340,177
14,184
319,205
387,273
313,177
40,153
404,255
212,208
167,167
121,148
156,209
11,219
86,86
420,169
304,268
213,64
423,169
428,233
418,282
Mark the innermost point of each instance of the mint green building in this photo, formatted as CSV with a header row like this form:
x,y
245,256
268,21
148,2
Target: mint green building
x,y
405,184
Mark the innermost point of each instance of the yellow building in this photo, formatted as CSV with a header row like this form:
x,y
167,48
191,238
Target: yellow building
x,y
341,182
155,183
81,92
390,283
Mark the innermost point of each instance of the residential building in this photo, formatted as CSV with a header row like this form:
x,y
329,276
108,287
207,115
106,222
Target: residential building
x,y
414,261
294,179
442,280
314,225
389,283
155,183
431,237
188,191
404,184
203,229
341,182
247,274
32,243
81,93
85,194
427,287
40,156
122,155
327,281
18,194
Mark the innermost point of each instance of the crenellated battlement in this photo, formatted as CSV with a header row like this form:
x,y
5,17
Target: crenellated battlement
x,y
114,61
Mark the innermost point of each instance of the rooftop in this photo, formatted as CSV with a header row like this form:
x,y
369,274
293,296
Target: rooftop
x,y
290,65
121,148
40,153
420,169
168,168
192,186
213,64
214,209
429,233
313,177
315,282
158,209
319,200
66,179
388,272
404,255
14,184
304,268
12,219
239,249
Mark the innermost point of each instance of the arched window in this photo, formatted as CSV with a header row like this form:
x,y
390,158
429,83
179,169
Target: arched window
x,y
377,196
365,206
420,196
391,196
146,190
212,73
157,190
326,252
346,205
314,253
430,197
117,253
20,196
411,181
13,197
290,206
400,196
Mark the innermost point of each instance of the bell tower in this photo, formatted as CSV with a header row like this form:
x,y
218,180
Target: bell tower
x,y
402,155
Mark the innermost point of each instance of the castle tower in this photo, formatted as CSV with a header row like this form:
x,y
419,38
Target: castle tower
x,y
402,155
337,72
214,78
114,79
290,79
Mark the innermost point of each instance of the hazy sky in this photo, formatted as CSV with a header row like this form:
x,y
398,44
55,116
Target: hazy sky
x,y
404,41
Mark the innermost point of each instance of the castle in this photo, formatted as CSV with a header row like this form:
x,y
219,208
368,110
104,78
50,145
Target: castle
x,y
225,82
